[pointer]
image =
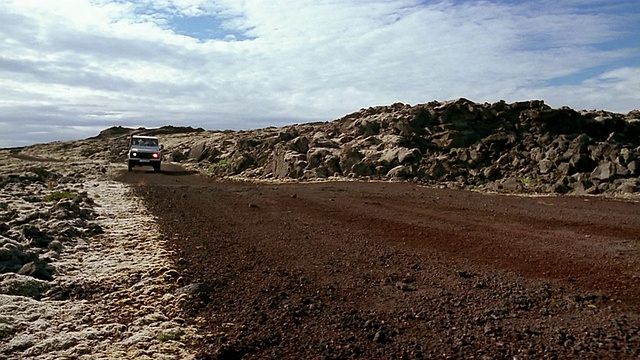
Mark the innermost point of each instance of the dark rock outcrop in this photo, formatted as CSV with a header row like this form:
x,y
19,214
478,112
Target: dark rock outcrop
x,y
519,147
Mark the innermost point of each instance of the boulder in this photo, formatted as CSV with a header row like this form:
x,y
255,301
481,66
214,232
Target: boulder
x,y
240,162
628,186
362,168
364,127
13,257
471,157
299,144
604,172
565,168
582,163
323,140
513,185
37,237
38,270
316,156
490,172
499,141
437,171
462,141
579,145
399,172
457,139
288,164
349,157
177,156
332,164
545,166
21,285
198,152
408,156
288,133
389,157
626,156
195,289
581,185
559,188
317,173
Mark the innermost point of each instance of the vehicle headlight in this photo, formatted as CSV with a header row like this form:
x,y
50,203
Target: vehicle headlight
x,y
134,154
155,155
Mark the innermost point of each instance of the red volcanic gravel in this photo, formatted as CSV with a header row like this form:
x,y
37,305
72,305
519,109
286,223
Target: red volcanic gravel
x,y
371,270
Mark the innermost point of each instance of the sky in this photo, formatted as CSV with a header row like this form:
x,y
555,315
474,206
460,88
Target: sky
x,y
70,68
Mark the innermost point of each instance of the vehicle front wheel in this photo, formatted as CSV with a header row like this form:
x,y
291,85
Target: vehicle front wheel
x,y
130,166
156,168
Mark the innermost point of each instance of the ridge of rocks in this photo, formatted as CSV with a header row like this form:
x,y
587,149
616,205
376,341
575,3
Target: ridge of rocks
x,y
521,147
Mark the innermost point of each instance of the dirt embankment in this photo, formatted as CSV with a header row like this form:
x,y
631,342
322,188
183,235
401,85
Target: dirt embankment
x,y
393,270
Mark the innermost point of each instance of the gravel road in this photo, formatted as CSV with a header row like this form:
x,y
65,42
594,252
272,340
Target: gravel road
x,y
340,270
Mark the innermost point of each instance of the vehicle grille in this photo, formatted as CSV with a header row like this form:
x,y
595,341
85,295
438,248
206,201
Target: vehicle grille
x,y
144,156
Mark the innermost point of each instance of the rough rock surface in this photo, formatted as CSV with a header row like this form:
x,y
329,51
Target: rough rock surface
x,y
83,273
523,147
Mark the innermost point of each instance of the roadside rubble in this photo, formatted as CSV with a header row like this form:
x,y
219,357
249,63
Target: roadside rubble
x,y
84,273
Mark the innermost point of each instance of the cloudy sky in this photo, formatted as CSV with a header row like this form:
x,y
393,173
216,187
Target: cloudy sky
x,y
70,68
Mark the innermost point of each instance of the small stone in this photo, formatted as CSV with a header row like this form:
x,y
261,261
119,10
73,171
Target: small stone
x,y
380,337
56,246
544,311
405,287
196,288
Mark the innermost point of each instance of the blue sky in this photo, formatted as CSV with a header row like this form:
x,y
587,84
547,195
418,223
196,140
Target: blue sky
x,y
70,68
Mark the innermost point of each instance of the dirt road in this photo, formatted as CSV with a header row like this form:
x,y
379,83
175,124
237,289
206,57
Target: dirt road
x,y
368,270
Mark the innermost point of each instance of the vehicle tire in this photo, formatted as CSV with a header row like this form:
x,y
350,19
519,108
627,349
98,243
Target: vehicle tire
x,y
156,168
130,166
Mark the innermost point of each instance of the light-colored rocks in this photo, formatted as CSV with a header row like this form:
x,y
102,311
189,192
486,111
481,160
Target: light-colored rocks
x,y
96,249
605,171
22,285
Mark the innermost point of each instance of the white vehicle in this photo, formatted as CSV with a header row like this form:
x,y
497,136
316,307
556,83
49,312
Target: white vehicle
x,y
144,151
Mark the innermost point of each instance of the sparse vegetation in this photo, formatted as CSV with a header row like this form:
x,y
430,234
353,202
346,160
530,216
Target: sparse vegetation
x,y
59,195
163,337
221,164
170,334
525,180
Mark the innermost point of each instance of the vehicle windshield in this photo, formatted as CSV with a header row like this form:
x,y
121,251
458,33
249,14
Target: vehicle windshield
x,y
145,142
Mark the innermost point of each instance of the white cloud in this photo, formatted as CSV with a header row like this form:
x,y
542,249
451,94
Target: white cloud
x,y
612,91
102,63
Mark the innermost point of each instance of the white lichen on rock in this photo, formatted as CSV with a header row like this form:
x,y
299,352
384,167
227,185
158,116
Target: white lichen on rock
x,y
117,280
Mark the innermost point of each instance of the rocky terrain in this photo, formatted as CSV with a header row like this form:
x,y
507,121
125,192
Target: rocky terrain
x,y
96,262
524,147
80,277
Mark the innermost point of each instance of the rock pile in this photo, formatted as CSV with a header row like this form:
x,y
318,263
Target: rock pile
x,y
79,276
523,147
39,216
